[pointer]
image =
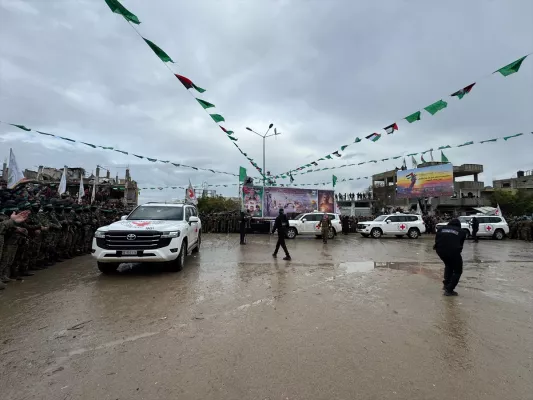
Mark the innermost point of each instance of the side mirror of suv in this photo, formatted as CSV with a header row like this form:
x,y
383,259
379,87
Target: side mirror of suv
x,y
304,220
387,221
194,219
123,217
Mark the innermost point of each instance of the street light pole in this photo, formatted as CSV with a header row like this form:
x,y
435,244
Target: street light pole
x,y
266,135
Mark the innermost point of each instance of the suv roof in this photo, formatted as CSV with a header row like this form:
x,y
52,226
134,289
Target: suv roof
x,y
153,204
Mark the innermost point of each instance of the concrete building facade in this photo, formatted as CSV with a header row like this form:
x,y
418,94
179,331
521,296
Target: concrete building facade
x,y
523,180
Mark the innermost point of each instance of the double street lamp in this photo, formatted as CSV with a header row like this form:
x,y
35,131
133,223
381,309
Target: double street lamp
x,y
266,135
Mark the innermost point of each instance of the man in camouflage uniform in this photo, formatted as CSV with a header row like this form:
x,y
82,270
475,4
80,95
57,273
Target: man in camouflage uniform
x,y
60,248
20,268
69,231
12,237
528,226
50,238
324,225
36,239
7,223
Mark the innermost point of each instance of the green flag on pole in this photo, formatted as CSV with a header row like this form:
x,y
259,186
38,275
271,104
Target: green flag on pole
x,y
242,174
334,180
443,158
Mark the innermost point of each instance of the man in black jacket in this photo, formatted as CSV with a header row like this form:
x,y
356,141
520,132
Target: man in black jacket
x,y
475,228
449,245
281,224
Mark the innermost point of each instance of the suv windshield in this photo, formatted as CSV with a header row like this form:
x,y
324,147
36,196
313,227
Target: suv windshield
x,y
381,218
157,213
299,216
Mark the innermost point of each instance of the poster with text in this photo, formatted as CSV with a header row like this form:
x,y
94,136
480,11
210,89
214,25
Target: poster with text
x,y
253,200
326,201
433,181
291,200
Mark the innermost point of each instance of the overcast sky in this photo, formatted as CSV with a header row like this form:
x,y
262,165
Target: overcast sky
x,y
323,71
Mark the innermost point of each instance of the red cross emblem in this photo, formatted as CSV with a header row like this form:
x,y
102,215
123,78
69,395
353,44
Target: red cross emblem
x,y
488,228
142,223
402,227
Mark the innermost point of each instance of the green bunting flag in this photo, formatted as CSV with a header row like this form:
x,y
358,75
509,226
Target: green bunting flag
x,y
487,141
44,133
413,117
205,104
343,147
512,136
443,158
21,127
151,159
334,180
90,145
445,147
511,68
233,138
357,140
217,117
461,93
436,107
118,8
329,157
465,144
158,51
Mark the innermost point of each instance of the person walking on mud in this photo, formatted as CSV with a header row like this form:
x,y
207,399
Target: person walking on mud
x,y
475,229
449,243
324,225
281,224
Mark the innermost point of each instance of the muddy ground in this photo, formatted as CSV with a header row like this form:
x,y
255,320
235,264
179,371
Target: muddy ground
x,y
354,319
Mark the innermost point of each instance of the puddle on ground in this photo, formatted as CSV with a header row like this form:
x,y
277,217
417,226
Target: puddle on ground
x,y
362,266
367,266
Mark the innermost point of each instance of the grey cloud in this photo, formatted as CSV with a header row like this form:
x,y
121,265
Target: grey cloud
x,y
324,72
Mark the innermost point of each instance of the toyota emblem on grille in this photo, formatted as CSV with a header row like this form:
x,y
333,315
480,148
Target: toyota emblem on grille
x,y
131,236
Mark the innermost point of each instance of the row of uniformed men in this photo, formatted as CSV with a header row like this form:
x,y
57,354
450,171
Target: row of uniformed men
x,y
43,237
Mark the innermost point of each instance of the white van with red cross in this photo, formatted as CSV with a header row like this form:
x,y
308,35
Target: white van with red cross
x,y
492,226
397,224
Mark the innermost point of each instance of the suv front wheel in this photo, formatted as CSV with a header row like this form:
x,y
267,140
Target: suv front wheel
x,y
376,233
177,264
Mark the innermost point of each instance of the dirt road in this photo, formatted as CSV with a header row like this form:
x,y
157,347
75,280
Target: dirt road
x,y
354,319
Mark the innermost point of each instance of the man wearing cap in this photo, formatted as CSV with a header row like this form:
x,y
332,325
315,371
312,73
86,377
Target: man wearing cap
x,y
7,222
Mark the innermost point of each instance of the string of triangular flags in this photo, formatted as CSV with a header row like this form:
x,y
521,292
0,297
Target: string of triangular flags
x,y
416,116
110,148
131,19
291,175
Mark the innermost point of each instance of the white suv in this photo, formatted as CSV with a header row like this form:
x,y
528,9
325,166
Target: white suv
x,y
306,224
152,232
489,226
397,224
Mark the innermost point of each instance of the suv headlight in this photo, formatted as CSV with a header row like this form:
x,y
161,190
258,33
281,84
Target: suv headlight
x,y
165,235
99,234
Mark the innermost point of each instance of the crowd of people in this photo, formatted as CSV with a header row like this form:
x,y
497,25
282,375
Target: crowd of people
x,y
353,196
521,228
39,228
